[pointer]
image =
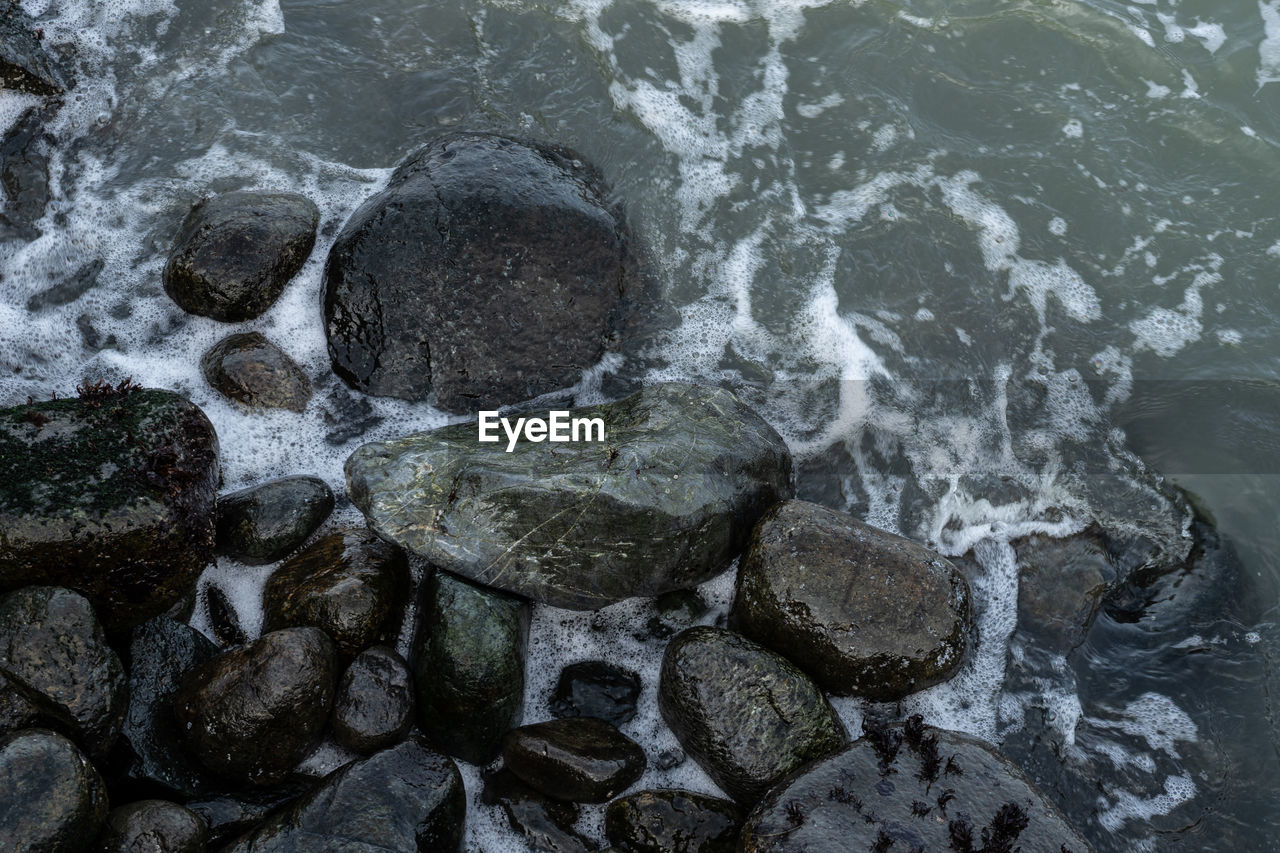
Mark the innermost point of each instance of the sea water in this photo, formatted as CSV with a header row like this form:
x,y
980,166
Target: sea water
x,y
987,266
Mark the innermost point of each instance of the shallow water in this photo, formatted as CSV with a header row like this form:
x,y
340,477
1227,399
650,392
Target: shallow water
x,y
974,260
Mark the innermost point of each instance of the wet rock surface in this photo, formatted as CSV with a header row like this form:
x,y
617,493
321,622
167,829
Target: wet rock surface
x,y
25,66
672,821
51,641
152,826
251,370
228,816
862,610
223,619
664,503
489,270
405,798
51,797
373,708
130,524
546,824
597,689
469,662
254,712
23,707
24,176
673,612
1061,583
264,523
910,787
351,584
580,759
747,715
236,252
161,654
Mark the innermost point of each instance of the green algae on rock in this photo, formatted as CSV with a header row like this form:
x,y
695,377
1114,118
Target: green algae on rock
x,y
861,610
111,495
664,503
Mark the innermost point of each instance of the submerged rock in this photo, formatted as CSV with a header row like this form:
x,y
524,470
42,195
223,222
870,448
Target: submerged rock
x,y
596,688
52,798
488,271
251,714
264,523
250,369
405,798
24,177
25,66
161,654
152,826
1061,583
374,705
51,641
863,611
111,495
469,666
665,502
670,821
747,715
237,251
546,824
910,787
351,584
580,759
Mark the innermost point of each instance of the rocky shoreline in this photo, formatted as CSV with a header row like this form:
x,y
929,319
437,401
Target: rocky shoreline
x,y
490,271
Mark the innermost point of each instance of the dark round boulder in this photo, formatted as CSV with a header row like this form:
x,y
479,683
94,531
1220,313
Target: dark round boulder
x,y
469,666
351,584
489,270
910,787
406,798
264,523
374,705
669,821
746,714
251,370
110,494
50,640
580,759
51,798
863,611
236,252
152,826
161,654
596,688
251,714
546,824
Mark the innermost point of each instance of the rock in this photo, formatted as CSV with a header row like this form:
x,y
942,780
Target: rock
x,y
264,523
597,689
910,787
351,584
374,705
1060,587
863,611
53,799
25,66
223,619
405,798
747,715
161,654
68,288
665,502
674,611
24,175
237,251
580,759
249,369
51,641
488,271
673,822
546,824
251,714
228,816
469,666
111,495
22,707
152,826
